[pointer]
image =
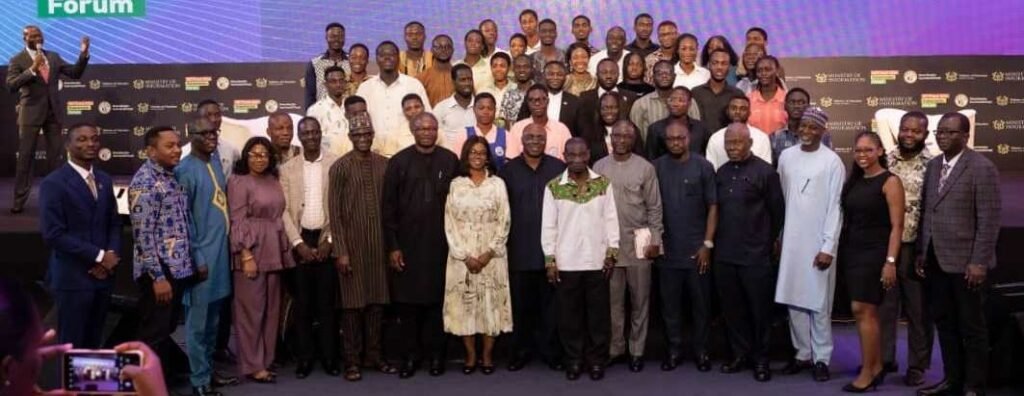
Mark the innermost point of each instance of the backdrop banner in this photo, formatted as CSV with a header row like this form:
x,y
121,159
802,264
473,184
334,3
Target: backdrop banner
x,y
859,93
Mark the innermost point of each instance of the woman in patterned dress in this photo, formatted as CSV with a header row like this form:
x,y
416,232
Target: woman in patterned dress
x,y
476,297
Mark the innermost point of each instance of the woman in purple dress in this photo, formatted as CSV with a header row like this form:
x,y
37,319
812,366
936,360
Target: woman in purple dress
x,y
260,251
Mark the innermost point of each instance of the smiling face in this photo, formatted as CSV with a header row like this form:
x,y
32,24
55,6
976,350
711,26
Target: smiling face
x,y
751,54
258,159
516,47
336,39
204,137
554,76
478,155
279,130
535,139
522,67
609,110
83,144
33,37
579,59
623,138
867,151
766,71
810,132
913,132
358,59
615,40
310,135
166,150
548,33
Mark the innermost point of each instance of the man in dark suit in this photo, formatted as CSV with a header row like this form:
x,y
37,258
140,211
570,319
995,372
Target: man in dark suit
x,y
34,74
566,104
607,78
960,225
80,223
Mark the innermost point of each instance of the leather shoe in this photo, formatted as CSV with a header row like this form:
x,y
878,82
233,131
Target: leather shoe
x,y
914,377
616,360
762,372
408,369
820,372
942,388
596,373
17,210
517,363
572,372
795,366
436,367
636,364
303,368
219,380
556,365
703,363
205,391
671,362
735,366
332,368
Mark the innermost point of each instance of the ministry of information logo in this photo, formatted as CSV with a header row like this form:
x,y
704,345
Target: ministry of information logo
x,y
910,76
261,82
998,125
270,105
223,83
961,100
104,107
951,76
138,84
105,154
94,84
1003,148
872,101
187,107
142,107
826,101
139,130
998,76
1002,100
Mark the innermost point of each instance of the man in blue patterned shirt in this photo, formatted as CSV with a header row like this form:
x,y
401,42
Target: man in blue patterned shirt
x,y
159,214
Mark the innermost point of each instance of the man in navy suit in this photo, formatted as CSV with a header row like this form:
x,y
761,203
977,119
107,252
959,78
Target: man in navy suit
x,y
80,223
33,74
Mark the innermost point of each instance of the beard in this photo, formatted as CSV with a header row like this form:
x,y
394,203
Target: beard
x,y
916,148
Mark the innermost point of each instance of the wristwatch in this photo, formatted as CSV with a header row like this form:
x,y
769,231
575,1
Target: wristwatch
x,y
890,260
709,244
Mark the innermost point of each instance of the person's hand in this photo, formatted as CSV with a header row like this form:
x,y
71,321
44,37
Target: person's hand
x,y
975,275
553,275
148,378
919,266
823,261
609,265
703,257
38,62
99,272
888,276
110,259
323,251
472,265
485,258
652,251
396,261
344,265
46,352
249,266
162,291
85,45
306,254
204,272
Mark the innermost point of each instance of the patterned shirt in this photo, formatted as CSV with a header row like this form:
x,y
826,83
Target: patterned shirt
x,y
911,172
579,229
160,218
316,88
511,103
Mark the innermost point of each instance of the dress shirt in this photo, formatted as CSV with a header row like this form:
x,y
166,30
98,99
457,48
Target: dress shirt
x,y
555,105
768,115
762,147
532,49
579,231
333,124
452,119
712,106
526,201
384,102
557,135
312,195
652,108
600,56
691,80
482,77
86,174
910,170
951,163
655,143
750,212
160,217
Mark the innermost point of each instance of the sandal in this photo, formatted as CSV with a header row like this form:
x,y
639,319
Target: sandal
x,y
352,373
386,368
267,378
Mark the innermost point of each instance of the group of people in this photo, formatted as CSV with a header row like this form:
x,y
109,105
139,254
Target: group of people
x,y
529,192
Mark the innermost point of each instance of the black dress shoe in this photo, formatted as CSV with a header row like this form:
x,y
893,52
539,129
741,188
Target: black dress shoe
x,y
597,373
517,363
205,391
487,370
17,210
636,364
914,377
795,366
940,389
225,356
671,362
762,372
408,369
467,369
332,368
820,372
616,360
572,372
219,380
303,368
436,367
703,363
556,365
735,366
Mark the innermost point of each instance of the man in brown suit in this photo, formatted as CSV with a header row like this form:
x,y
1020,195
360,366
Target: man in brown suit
x,y
305,180
34,74
960,226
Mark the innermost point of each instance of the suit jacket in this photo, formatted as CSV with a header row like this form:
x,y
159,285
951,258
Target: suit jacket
x,y
589,106
961,222
569,114
37,97
77,227
293,183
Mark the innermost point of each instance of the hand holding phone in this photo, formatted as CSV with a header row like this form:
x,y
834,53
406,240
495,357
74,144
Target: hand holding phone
x,y
90,372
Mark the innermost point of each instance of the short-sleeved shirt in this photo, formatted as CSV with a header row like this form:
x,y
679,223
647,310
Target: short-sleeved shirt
x,y
687,192
768,115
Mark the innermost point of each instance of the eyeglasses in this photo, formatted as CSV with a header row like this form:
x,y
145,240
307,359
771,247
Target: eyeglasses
x,y
943,132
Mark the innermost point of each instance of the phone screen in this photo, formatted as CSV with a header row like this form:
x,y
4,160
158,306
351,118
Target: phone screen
x,y
98,371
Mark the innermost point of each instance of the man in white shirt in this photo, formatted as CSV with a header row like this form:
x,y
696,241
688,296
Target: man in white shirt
x,y
330,112
528,23
580,239
455,113
384,92
739,112
688,72
615,42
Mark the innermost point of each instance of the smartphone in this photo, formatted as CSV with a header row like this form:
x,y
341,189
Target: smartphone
x,y
89,372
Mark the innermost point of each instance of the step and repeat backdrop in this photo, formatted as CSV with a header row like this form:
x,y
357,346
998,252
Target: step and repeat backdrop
x,y
153,61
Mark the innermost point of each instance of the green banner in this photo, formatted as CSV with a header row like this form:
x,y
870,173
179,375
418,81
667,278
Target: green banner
x,y
91,8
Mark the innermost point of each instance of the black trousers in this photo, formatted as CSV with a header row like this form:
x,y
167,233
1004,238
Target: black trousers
x,y
157,322
907,295
535,314
675,285
81,316
422,330
584,317
316,292
27,140
959,314
747,297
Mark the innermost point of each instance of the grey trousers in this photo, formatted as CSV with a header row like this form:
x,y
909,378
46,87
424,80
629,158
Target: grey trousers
x,y
636,280
909,293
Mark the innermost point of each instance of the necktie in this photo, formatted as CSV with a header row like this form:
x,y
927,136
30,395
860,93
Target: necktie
x,y
944,176
91,182
44,72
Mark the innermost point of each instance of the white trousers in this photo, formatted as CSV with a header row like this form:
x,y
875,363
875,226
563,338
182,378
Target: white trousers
x,y
811,333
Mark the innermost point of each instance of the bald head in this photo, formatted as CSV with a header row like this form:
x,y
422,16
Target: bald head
x,y
738,141
424,130
421,118
737,129
280,129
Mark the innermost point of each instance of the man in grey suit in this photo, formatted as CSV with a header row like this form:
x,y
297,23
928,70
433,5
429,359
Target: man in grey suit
x,y
34,74
960,226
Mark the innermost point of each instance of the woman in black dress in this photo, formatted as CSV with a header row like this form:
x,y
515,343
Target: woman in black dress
x,y
873,210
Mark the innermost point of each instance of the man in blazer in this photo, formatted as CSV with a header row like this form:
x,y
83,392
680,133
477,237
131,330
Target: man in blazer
x,y
34,73
305,180
607,78
80,223
566,104
960,226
